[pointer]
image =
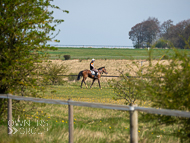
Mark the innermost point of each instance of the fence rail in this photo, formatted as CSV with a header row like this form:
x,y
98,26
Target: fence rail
x,y
101,75
133,112
118,76
92,46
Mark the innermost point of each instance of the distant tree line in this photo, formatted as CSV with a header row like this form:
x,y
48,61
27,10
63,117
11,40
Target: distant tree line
x,y
151,32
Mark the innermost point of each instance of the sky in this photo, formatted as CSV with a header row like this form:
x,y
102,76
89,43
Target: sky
x,y
108,22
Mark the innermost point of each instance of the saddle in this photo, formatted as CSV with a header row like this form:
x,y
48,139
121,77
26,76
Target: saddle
x,y
93,72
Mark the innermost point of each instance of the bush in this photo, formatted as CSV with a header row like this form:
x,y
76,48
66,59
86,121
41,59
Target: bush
x,y
161,43
167,87
72,77
165,57
52,72
67,57
170,92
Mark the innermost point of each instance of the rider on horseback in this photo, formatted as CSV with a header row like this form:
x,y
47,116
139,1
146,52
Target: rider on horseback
x,y
92,68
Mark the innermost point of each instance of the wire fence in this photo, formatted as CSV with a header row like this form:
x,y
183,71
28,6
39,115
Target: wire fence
x,y
92,46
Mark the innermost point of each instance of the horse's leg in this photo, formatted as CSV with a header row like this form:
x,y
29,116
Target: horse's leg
x,y
85,82
82,82
92,82
99,83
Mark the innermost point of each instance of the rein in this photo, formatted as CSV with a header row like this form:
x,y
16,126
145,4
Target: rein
x,y
101,71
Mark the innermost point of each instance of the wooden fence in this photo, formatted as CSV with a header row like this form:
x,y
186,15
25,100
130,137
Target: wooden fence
x,y
132,109
116,76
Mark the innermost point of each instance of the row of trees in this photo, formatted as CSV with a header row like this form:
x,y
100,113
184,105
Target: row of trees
x,y
151,32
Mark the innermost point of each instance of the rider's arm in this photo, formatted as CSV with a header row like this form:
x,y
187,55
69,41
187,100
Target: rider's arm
x,y
92,65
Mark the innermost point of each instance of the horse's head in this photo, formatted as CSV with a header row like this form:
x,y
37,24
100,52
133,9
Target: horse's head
x,y
104,70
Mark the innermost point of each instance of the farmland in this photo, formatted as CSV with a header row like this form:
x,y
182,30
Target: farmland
x,y
106,53
90,124
75,66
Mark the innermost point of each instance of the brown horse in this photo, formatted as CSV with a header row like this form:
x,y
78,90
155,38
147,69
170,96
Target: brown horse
x,y
87,73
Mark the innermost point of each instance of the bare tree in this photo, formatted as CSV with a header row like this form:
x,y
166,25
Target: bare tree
x,y
177,34
165,27
136,35
145,33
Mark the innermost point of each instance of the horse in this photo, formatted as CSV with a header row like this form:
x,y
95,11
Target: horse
x,y
87,73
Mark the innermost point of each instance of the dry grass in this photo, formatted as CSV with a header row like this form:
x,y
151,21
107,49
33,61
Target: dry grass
x,y
75,66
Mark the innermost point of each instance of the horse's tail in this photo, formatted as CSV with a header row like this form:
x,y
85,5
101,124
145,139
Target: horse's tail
x,y
79,75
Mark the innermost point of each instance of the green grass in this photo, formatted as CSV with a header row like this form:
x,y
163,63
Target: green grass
x,y
92,125
74,92
106,53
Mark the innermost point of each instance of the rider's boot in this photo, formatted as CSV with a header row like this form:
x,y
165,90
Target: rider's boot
x,y
96,75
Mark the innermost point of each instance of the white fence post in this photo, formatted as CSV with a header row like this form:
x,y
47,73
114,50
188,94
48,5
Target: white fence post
x,y
133,124
9,118
71,124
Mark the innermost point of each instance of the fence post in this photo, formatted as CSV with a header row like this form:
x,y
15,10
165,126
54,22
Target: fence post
x,y
71,124
9,118
133,124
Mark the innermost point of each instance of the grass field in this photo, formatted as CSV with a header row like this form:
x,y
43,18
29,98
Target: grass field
x,y
106,53
90,124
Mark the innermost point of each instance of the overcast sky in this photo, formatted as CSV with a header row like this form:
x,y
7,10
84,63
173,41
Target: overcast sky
x,y
108,22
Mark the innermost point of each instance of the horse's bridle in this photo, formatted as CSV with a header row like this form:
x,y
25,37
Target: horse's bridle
x,y
102,71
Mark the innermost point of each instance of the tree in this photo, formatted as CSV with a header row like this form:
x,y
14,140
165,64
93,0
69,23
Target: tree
x,y
165,27
25,28
177,34
145,33
150,30
136,35
186,37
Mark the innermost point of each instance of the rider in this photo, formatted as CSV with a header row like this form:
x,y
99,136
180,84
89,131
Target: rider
x,y
92,68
